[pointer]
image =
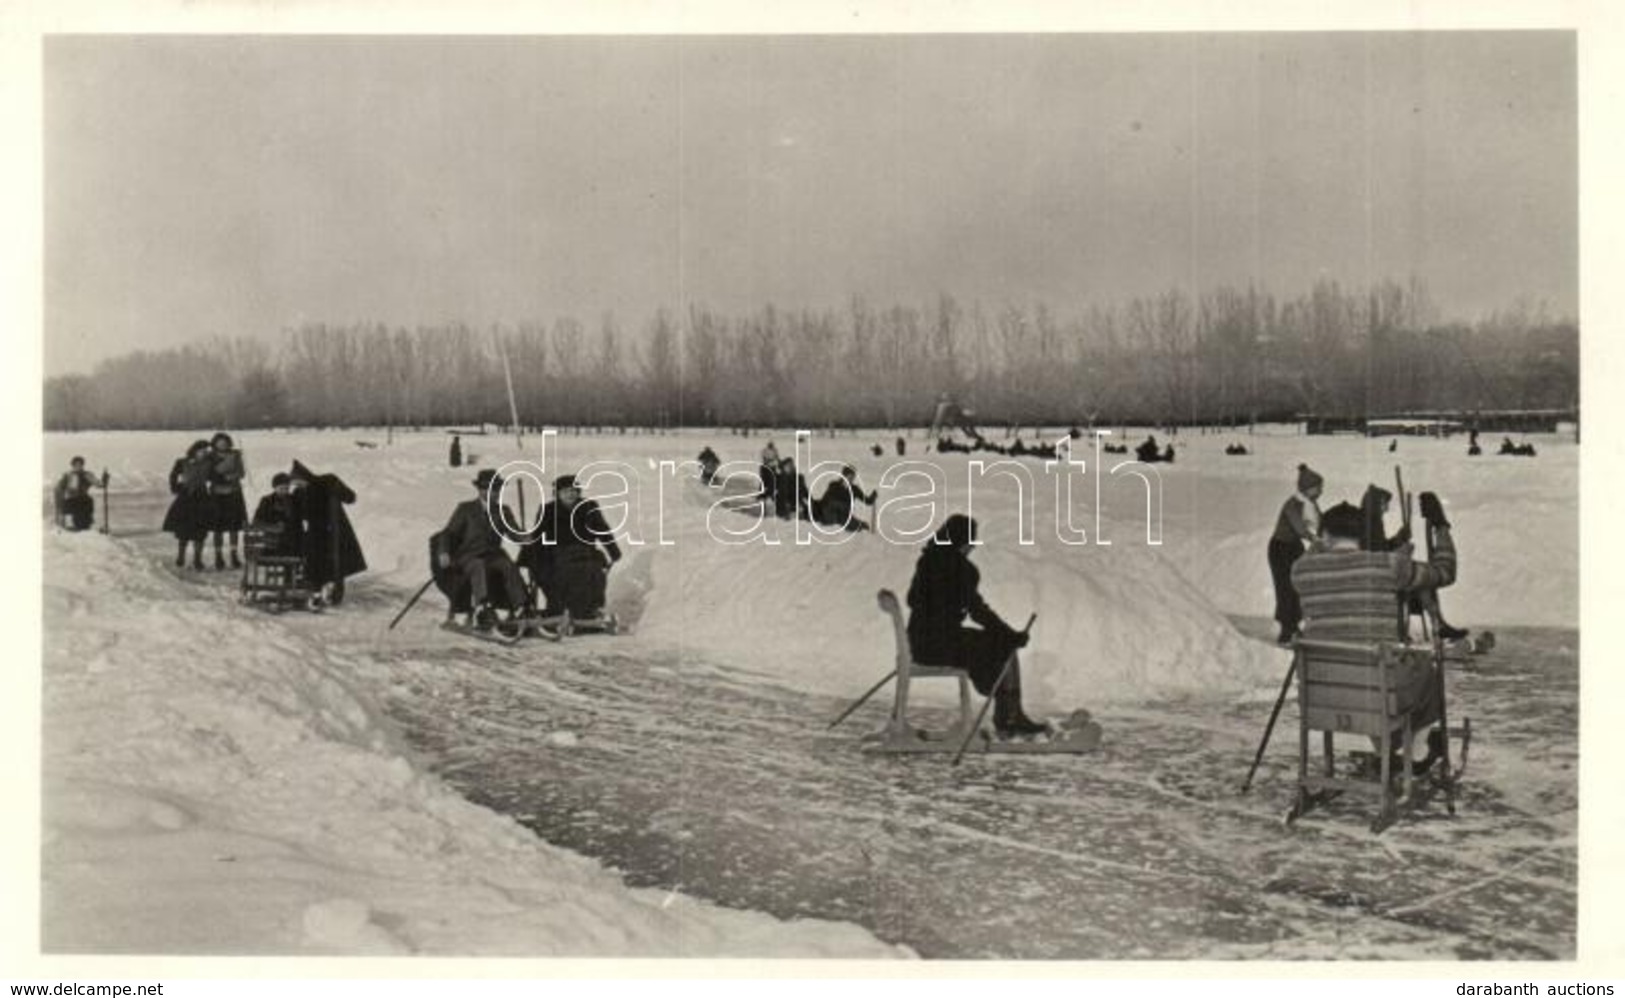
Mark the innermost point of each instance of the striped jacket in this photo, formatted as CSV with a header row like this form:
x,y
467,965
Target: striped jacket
x,y
1353,595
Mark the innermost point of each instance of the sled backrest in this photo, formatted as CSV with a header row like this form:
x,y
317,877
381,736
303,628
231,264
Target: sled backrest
x,y
893,609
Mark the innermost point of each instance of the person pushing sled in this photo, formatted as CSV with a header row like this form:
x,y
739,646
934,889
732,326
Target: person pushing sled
x,y
568,556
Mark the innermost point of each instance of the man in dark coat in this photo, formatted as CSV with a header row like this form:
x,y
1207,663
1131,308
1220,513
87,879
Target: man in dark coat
x,y
75,507
469,555
942,594
1148,452
456,451
332,552
834,507
570,552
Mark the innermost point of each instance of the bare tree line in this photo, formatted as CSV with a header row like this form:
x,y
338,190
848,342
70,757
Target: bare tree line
x,y
1228,356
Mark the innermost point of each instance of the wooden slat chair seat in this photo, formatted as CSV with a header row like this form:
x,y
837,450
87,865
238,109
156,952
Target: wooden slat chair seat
x,y
898,731
1358,675
270,576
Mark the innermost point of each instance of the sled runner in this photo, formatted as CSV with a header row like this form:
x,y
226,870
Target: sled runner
x,y
1073,734
273,578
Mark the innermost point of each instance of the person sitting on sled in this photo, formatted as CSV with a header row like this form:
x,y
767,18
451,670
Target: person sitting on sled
x,y
943,593
471,546
75,508
570,552
834,507
279,513
709,463
1350,594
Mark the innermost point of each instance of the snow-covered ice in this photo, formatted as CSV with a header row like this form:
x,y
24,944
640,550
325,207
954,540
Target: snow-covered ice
x,y
218,780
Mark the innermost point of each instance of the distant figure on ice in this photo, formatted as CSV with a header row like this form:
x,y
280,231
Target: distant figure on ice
x,y
1346,590
75,506
1168,454
1148,451
834,508
902,447
456,455
1393,445
332,551
1296,527
709,463
1237,450
877,450
1507,446
570,552
228,513
468,551
189,513
790,496
943,592
770,476
278,513
1473,450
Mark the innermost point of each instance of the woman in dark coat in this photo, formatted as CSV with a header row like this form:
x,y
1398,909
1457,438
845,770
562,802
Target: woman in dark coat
x,y
189,514
228,511
942,594
332,552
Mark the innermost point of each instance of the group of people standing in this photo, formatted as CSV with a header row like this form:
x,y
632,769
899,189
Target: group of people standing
x,y
207,484
1301,527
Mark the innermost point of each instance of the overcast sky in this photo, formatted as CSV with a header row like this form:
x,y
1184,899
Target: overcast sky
x,y
205,186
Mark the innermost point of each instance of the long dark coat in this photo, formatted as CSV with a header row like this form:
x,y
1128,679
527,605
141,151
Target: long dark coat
x,y
332,552
943,593
227,509
189,514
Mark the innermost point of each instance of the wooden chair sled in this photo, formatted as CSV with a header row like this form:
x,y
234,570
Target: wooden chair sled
x,y
1078,734
273,580
1390,692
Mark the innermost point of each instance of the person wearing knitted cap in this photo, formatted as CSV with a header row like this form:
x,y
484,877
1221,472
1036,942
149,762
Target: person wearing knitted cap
x,y
569,553
943,593
1297,527
471,547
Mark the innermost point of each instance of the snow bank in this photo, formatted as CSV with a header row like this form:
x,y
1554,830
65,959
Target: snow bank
x,y
214,783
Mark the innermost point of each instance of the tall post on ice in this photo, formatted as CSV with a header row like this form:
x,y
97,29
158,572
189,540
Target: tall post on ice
x,y
513,407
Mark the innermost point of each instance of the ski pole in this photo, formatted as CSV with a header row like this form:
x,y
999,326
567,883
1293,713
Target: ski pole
x,y
997,685
411,603
860,701
1269,728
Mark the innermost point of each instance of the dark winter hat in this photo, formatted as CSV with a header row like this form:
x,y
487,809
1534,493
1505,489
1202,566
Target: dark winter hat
x,y
1308,479
219,437
1375,495
956,530
77,462
279,479
849,471
197,447
486,476
1342,520
564,482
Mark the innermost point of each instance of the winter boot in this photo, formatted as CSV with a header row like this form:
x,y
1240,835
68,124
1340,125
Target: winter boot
x,y
219,561
1452,633
197,560
236,562
180,557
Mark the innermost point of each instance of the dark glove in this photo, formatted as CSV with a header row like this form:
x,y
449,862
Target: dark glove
x,y
1432,512
1019,638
